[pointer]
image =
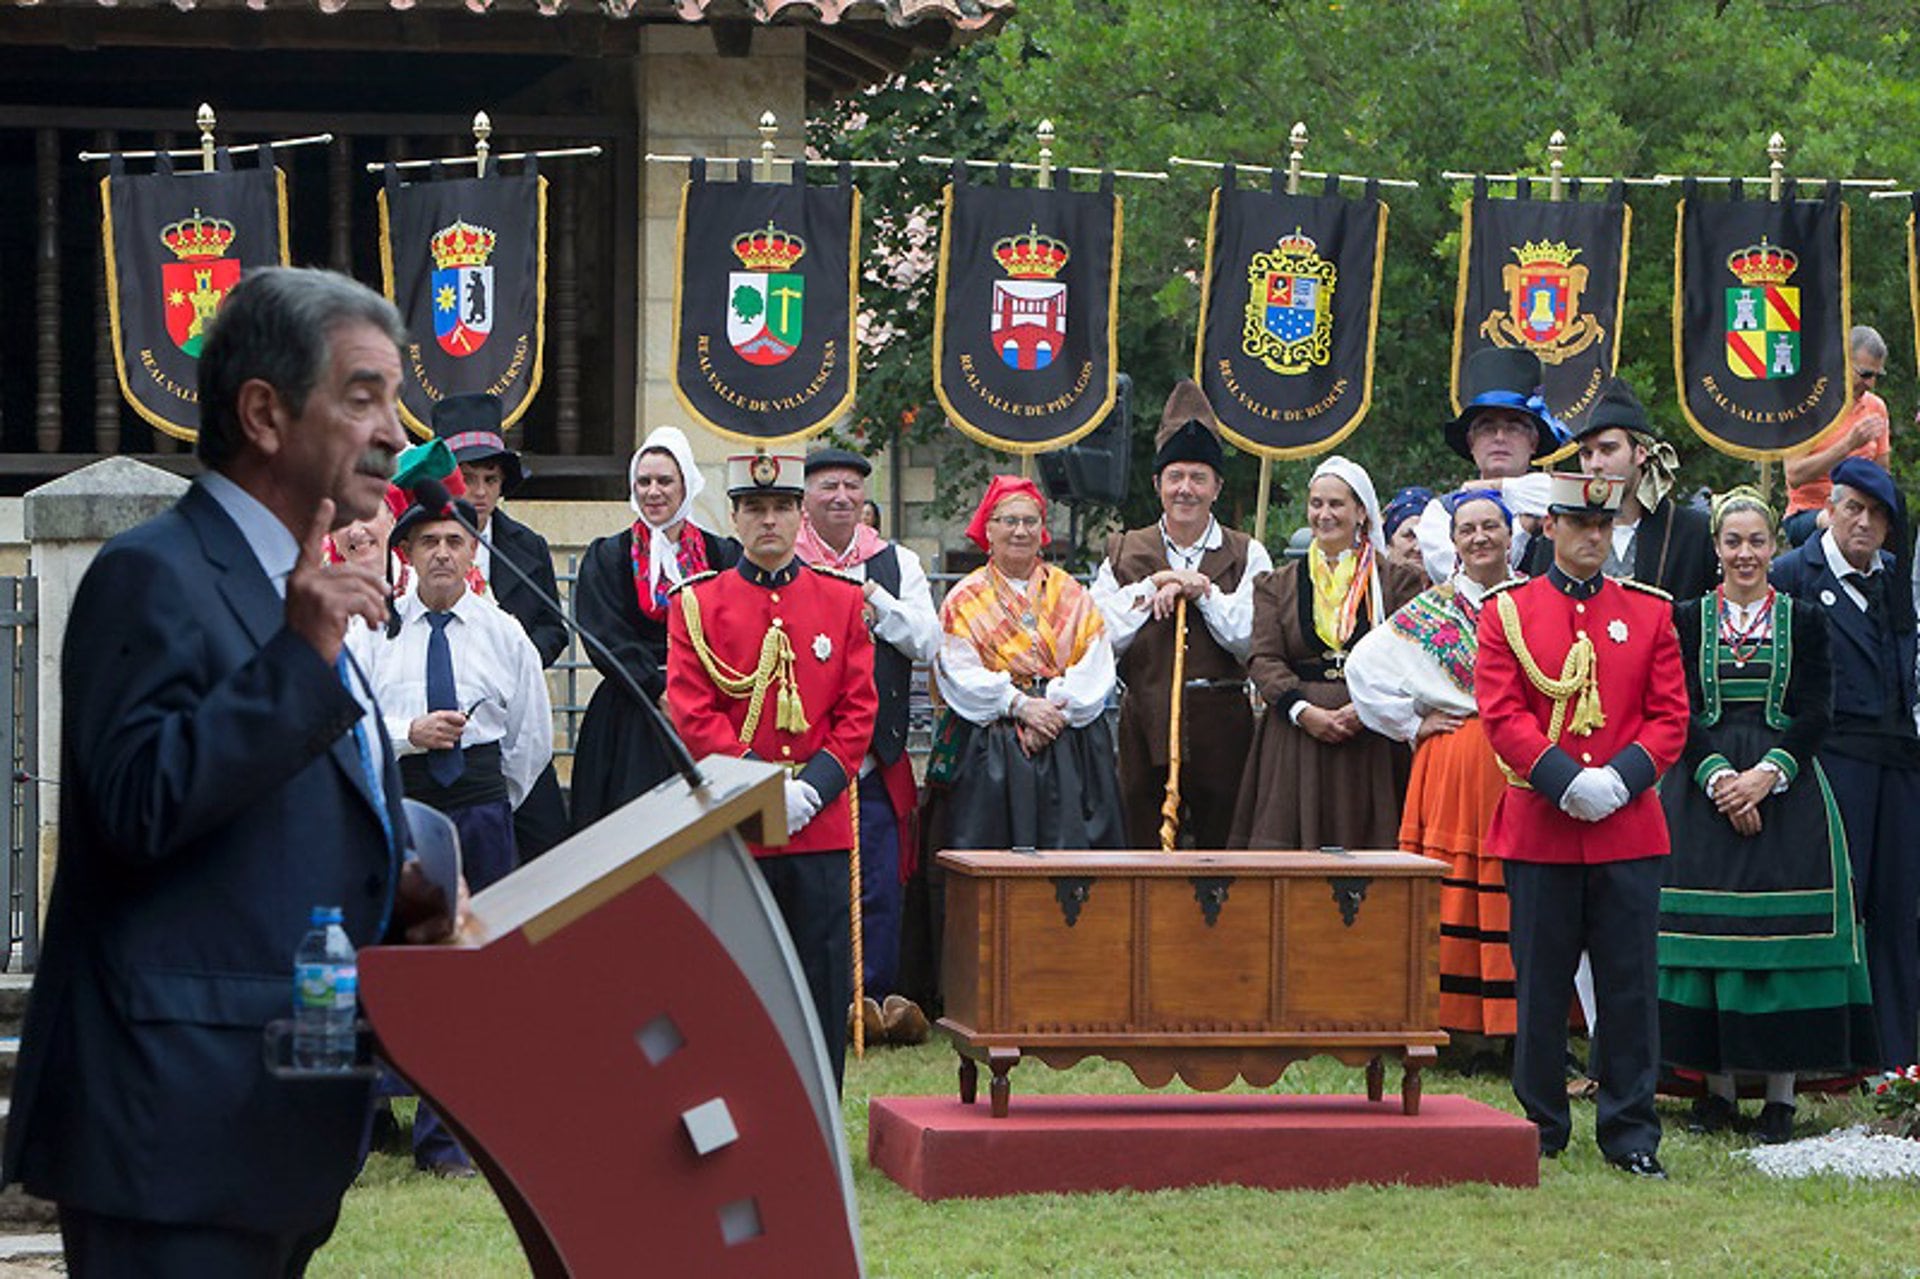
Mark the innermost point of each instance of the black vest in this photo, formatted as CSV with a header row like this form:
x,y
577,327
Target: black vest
x,y
892,670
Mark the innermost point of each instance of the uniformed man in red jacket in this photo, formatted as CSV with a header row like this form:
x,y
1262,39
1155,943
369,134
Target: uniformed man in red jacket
x,y
772,659
1584,699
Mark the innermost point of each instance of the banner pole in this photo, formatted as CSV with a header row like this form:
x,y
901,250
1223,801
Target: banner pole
x,y
1297,143
1044,135
205,119
1556,166
482,130
1776,183
769,130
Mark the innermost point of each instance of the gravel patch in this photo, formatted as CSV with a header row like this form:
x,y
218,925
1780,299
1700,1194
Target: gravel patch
x,y
1848,1152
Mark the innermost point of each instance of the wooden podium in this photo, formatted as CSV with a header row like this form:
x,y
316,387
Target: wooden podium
x,y
625,1045
1209,966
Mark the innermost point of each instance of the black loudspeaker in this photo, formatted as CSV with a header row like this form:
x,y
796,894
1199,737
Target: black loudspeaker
x,y
1095,468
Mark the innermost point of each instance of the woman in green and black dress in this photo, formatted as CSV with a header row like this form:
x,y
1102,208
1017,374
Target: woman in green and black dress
x,y
1761,965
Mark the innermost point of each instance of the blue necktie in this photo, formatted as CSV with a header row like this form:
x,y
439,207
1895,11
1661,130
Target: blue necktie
x,y
444,766
367,769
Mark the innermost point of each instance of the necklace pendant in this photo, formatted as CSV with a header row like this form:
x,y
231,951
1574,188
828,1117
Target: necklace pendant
x,y
1739,663
1026,618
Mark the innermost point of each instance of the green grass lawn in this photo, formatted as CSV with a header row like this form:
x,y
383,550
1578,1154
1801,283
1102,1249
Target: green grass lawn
x,y
1716,1217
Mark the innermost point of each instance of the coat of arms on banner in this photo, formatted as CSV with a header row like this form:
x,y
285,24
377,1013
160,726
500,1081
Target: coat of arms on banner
x,y
766,301
1289,324
1763,313
193,286
1029,310
1543,298
462,287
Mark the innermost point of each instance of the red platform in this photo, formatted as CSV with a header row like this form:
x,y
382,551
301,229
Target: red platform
x,y
938,1148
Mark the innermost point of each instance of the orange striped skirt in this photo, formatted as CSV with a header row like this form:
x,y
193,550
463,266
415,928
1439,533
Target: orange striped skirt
x,y
1455,787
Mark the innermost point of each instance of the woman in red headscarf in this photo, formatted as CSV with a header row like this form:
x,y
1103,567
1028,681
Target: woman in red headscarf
x,y
1024,671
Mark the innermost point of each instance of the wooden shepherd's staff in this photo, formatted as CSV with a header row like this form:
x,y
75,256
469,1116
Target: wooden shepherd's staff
x,y
1170,806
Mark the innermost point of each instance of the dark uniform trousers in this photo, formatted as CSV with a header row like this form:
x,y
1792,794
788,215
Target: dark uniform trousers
x,y
1611,911
1876,800
811,891
98,1245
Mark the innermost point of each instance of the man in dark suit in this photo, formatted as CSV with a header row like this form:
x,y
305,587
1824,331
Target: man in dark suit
x,y
470,424
222,773
1655,542
1872,755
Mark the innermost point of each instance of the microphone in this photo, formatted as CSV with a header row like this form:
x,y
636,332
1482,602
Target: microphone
x,y
432,494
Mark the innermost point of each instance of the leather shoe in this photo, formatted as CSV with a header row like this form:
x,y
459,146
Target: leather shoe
x,y
1776,1123
905,1023
1711,1113
1639,1163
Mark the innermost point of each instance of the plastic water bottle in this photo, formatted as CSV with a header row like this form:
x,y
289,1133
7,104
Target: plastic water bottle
x,y
326,994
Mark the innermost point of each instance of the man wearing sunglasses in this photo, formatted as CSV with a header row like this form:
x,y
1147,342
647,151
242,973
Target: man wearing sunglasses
x,y
1863,432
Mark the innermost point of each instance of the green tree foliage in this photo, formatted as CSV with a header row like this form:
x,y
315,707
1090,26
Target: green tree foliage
x,y
1409,89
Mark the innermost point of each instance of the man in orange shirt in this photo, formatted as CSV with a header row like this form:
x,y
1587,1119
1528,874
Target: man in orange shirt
x,y
1863,432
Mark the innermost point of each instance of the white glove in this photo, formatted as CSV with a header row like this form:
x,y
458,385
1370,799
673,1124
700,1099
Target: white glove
x,y
803,804
1596,794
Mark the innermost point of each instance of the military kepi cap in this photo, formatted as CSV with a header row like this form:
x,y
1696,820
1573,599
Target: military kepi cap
x,y
1585,494
751,473
1866,476
837,460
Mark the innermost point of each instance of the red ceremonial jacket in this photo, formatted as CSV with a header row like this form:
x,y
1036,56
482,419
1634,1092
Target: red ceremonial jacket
x,y
832,665
1643,694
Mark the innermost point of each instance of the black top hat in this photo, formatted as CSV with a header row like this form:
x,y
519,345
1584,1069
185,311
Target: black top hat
x,y
1504,378
470,424
1617,409
837,459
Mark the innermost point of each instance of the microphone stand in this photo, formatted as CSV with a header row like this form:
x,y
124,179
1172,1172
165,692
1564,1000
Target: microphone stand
x,y
663,733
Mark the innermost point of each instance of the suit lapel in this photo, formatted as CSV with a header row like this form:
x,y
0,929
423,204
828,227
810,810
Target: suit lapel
x,y
243,583
1830,594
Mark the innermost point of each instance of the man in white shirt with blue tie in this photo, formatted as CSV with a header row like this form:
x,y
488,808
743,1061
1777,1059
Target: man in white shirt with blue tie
x,y
465,703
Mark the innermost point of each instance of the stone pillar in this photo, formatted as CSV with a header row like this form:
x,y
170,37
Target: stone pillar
x,y
693,101
66,522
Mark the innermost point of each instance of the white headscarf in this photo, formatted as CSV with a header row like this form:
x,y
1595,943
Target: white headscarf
x,y
663,556
1355,477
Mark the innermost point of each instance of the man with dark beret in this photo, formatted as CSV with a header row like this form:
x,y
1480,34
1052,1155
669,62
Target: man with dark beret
x,y
1186,554
1872,755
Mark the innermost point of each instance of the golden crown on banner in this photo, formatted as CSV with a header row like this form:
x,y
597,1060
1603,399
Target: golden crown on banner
x,y
197,237
1762,263
1031,256
1547,251
770,249
462,245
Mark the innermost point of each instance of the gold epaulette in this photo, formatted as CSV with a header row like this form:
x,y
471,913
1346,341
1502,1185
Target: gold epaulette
x,y
1506,585
1642,587
689,581
839,573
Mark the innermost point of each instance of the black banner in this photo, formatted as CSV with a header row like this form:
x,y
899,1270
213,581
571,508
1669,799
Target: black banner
x,y
1024,341
465,260
1288,311
765,291
175,243
1549,276
1760,316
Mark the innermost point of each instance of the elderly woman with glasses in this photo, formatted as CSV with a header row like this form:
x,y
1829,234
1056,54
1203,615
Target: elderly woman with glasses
x,y
1025,669
1318,776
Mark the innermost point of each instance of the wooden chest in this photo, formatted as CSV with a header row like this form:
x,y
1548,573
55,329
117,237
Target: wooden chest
x,y
1209,966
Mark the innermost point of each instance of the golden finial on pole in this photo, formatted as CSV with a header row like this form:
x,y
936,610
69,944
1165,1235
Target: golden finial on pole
x,y
1297,143
769,130
204,118
482,130
1044,135
1777,170
1556,165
